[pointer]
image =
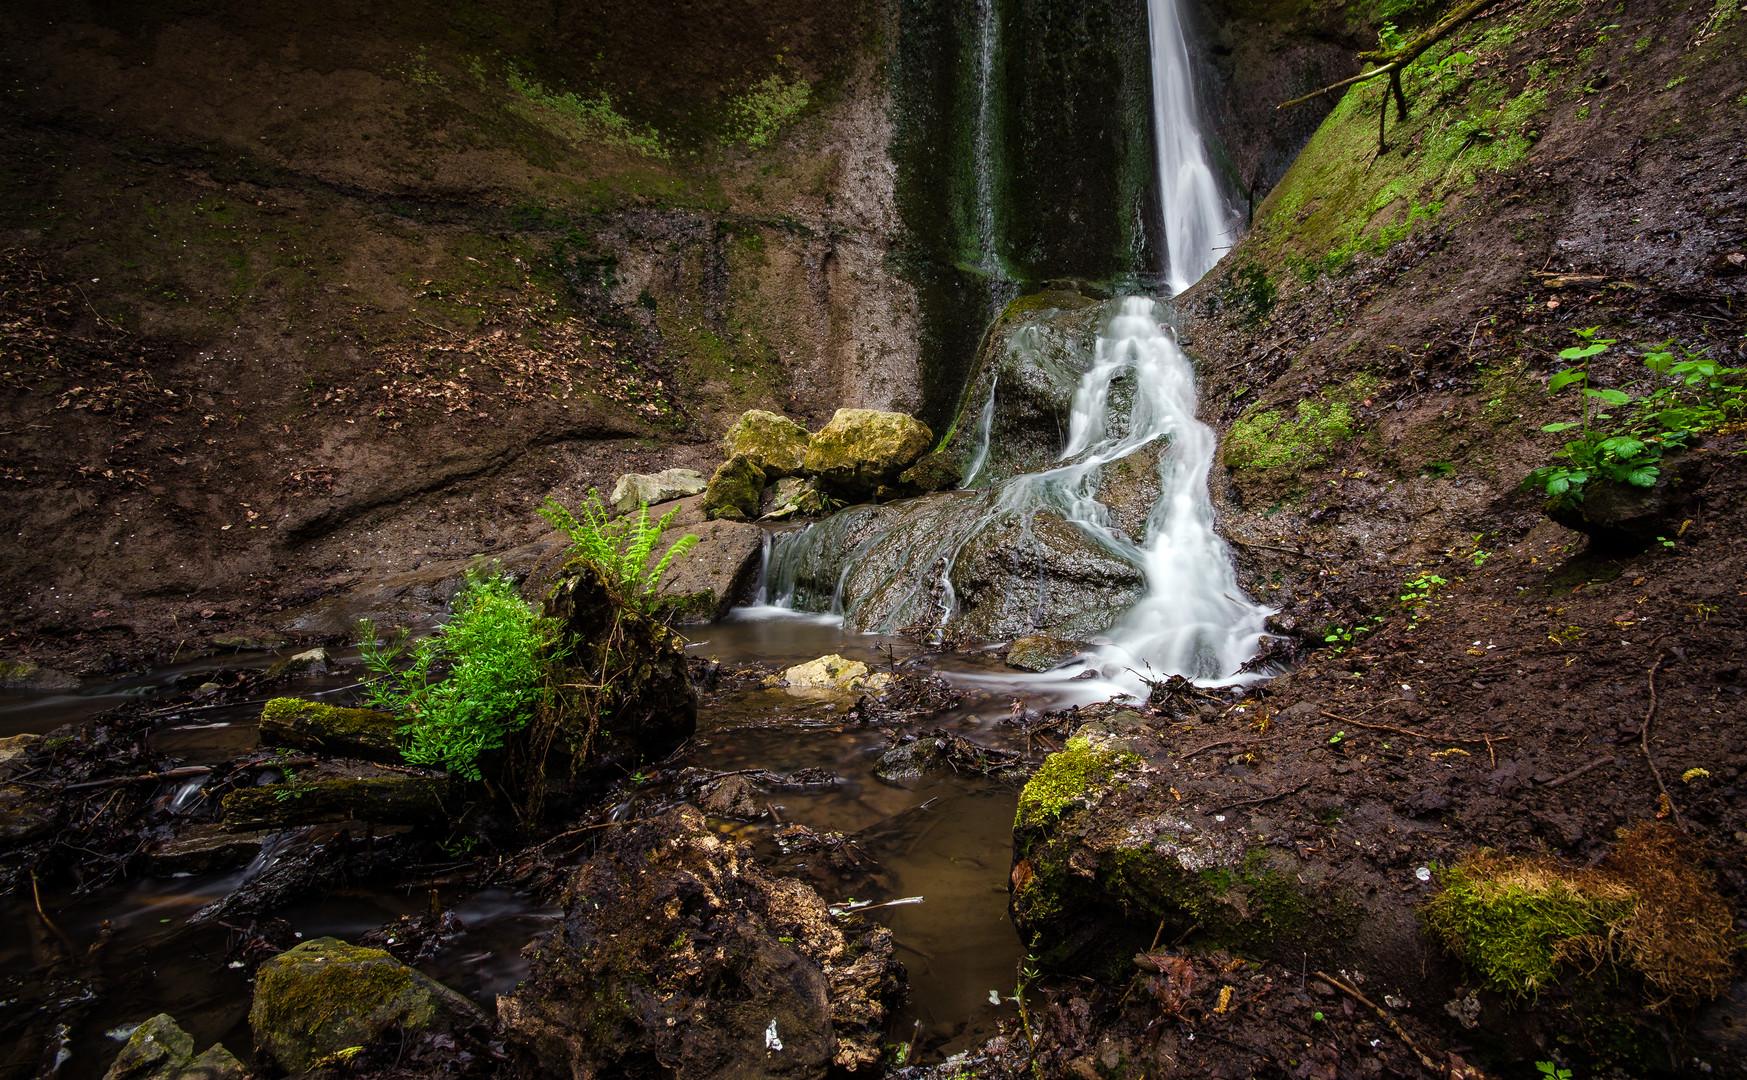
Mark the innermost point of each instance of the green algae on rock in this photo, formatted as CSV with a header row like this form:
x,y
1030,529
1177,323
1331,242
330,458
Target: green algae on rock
x,y
314,725
862,450
734,491
771,441
160,1050
936,470
325,996
1087,763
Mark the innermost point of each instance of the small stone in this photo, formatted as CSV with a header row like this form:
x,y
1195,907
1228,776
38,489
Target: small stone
x,y
22,816
313,662
1040,652
14,750
833,674
160,1050
24,675
647,489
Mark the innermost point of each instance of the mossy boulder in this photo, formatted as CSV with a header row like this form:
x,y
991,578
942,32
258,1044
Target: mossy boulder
x,y
160,1050
861,450
771,441
24,675
325,996
933,471
313,725
702,584
734,490
647,489
1110,843
407,800
679,954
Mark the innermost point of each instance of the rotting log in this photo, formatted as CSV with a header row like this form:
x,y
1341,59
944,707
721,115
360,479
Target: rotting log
x,y
312,725
409,800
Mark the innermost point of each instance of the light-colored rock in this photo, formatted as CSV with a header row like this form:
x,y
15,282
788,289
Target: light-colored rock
x,y
160,1050
1040,652
24,675
771,441
702,584
312,662
23,815
833,674
647,489
325,996
861,450
734,490
14,750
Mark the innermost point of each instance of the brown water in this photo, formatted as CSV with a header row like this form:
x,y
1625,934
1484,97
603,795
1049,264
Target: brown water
x,y
946,838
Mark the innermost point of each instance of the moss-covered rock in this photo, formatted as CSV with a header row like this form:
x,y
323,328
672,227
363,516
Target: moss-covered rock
x,y
313,725
409,800
24,675
771,441
325,996
933,471
1040,652
677,948
24,815
863,449
647,489
1108,846
15,752
734,490
702,584
160,1050
832,675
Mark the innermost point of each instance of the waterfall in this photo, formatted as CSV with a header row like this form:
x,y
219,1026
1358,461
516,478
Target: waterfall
x,y
1197,228
988,30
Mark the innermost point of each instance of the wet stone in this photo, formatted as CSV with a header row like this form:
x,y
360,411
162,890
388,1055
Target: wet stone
x,y
160,1050
203,848
1040,652
314,725
325,996
734,490
24,815
771,441
24,675
15,751
410,800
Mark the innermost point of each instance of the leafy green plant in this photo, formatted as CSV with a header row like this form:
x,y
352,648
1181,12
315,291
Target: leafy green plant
x,y
1416,591
493,653
1696,396
1551,1071
621,547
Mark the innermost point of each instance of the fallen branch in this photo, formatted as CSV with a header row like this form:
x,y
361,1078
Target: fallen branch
x,y
1340,984
1274,547
1228,742
1575,773
1487,739
1392,61
167,774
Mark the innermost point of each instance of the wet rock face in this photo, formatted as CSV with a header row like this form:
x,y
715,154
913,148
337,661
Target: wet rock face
x,y
1106,849
647,489
702,584
1047,576
771,441
862,450
1040,652
934,471
649,697
734,490
325,996
677,953
160,1050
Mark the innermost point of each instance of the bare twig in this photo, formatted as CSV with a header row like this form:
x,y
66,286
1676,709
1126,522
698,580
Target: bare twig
x,y
1186,755
1575,773
1487,739
1342,985
1644,744
1258,802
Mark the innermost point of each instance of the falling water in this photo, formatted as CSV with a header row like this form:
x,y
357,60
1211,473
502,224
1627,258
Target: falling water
x,y
1197,227
988,30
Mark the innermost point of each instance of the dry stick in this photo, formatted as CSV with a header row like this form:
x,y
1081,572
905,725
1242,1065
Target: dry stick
x,y
1228,742
1488,739
1644,744
1424,1058
36,894
167,774
1575,773
1282,550
1400,58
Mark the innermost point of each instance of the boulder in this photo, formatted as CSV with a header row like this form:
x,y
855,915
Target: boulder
x,y
861,450
1110,842
325,996
1046,575
1129,488
1621,516
313,725
409,800
701,585
933,471
1040,652
647,489
160,1050
24,815
649,705
771,441
678,954
734,490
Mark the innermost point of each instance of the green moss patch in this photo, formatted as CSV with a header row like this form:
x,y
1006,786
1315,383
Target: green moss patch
x,y
1269,438
1065,776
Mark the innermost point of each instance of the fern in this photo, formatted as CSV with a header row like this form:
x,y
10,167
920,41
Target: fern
x,y
621,547
494,649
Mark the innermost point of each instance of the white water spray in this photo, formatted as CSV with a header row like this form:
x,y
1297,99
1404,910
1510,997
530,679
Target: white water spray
x,y
1197,228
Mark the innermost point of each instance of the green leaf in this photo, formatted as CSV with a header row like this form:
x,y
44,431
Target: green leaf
x,y
1566,378
1563,426
1644,477
1575,353
1612,397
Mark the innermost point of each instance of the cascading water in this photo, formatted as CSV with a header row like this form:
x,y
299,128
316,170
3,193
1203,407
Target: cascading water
x,y
988,29
1192,618
1197,227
